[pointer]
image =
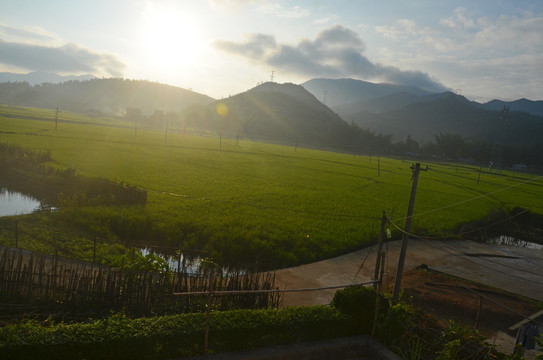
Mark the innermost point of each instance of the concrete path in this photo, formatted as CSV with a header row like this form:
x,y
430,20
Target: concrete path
x,y
518,270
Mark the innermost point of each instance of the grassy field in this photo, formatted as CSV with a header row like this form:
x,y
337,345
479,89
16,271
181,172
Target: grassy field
x,y
251,202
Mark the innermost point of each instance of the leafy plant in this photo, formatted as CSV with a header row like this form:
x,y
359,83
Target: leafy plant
x,y
139,262
359,303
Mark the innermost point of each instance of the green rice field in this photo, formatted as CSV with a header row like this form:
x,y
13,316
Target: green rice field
x,y
246,202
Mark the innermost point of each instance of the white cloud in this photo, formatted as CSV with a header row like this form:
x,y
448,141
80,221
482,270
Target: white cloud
x,y
502,53
404,29
335,52
460,19
69,58
278,10
27,35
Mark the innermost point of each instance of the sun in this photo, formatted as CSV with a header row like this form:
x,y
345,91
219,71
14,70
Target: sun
x,y
172,38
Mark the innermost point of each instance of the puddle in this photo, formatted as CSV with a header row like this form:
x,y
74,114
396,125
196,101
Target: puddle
x,y
15,203
511,241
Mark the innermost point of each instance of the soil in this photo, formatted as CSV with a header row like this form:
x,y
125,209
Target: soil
x,y
447,298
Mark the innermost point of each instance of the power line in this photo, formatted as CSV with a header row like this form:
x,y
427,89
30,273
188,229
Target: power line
x,y
503,306
470,231
474,198
231,292
466,258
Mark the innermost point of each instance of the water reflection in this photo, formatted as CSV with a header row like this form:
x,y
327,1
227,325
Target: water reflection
x,y
15,203
511,241
176,262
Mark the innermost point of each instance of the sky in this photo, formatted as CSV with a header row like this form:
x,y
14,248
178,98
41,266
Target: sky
x,y
482,49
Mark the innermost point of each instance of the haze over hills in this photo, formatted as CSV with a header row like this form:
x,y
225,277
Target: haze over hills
x,y
109,96
285,113
293,113
336,92
525,105
407,111
40,77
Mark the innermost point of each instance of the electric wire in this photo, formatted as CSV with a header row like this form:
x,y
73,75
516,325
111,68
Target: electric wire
x,y
503,306
461,234
474,198
481,258
363,262
230,292
459,254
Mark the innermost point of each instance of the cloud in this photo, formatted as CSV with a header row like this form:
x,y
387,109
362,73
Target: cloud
x,y
278,10
497,55
255,46
26,35
460,20
69,58
404,28
335,52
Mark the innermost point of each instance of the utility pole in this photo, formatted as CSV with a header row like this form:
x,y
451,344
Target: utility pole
x,y
56,120
271,76
416,170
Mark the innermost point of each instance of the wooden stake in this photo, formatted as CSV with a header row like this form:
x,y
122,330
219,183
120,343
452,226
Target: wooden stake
x,y
478,312
16,234
208,310
379,248
377,293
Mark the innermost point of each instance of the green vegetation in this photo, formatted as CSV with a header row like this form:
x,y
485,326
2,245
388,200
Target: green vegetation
x,y
163,337
410,334
247,204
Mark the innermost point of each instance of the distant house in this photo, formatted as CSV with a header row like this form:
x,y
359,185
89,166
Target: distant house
x,y
520,167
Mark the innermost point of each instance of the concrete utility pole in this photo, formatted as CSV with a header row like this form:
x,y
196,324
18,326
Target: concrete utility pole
x,y
416,170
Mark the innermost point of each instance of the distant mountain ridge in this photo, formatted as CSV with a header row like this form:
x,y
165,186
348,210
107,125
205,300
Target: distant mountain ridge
x,y
40,77
109,96
525,105
312,113
349,96
407,111
336,92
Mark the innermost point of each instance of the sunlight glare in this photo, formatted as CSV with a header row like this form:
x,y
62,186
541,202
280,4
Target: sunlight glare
x,y
172,40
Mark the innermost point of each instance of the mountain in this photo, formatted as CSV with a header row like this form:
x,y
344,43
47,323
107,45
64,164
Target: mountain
x,y
336,92
409,111
453,114
384,104
525,105
40,77
110,96
282,113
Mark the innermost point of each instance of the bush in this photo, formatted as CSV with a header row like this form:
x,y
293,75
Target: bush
x,y
359,303
120,337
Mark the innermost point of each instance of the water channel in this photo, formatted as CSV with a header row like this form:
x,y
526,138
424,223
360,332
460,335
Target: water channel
x,y
15,203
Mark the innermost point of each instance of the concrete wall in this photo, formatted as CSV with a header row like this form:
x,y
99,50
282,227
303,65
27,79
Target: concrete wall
x,y
356,347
